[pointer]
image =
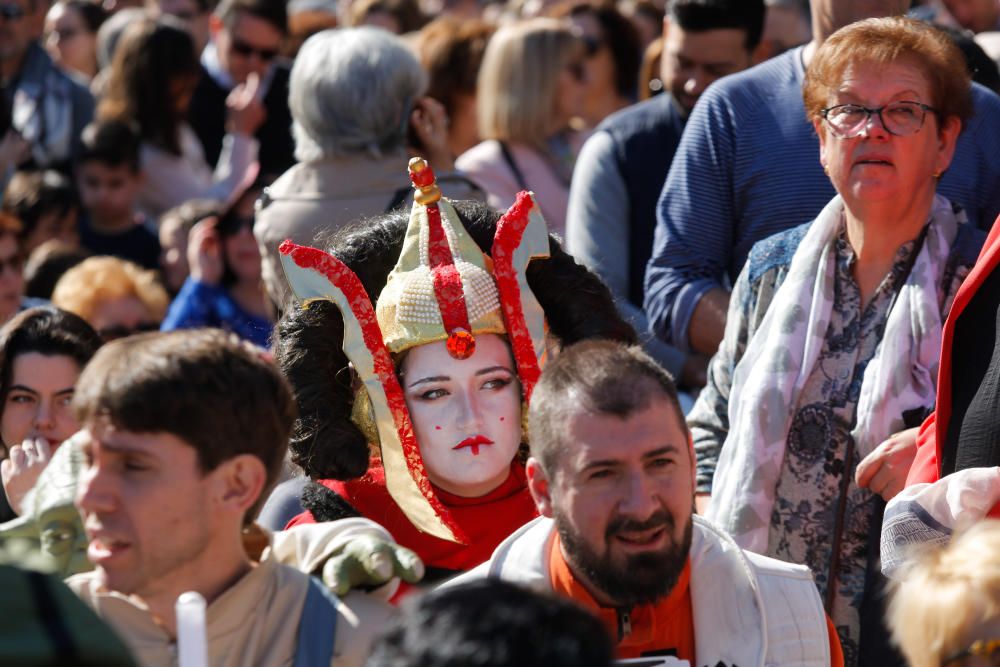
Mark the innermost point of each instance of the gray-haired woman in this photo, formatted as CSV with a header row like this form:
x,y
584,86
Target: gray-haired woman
x,y
354,95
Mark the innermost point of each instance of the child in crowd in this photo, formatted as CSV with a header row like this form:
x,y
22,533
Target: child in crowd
x,y
224,289
46,205
109,179
175,226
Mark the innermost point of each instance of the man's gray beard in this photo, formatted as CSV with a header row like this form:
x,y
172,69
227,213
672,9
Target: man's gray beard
x,y
644,578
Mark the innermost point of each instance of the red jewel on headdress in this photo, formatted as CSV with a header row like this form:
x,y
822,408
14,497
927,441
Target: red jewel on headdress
x,y
461,344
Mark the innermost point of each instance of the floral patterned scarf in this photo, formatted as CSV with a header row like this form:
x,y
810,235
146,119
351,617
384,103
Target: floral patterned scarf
x,y
781,356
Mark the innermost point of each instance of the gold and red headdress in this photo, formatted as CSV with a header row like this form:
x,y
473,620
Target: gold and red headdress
x,y
442,288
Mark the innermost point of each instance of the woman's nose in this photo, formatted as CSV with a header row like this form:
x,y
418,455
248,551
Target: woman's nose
x,y
44,416
470,417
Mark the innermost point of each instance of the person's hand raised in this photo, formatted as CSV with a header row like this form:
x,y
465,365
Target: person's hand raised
x,y
245,108
21,470
429,134
204,252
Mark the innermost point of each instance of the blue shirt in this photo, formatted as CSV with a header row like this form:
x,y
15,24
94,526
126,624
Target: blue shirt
x,y
748,167
202,305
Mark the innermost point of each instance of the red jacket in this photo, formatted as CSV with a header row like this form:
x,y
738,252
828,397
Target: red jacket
x,y
927,464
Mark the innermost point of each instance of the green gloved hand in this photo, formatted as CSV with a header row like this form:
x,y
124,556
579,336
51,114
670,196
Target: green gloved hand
x,y
369,562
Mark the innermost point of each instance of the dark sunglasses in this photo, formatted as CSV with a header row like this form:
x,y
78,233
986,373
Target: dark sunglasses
x,y
247,50
231,225
117,331
11,12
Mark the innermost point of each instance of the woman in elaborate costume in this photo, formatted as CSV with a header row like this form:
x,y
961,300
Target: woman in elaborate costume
x,y
422,430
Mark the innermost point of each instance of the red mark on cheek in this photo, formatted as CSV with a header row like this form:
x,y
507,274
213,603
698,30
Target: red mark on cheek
x,y
502,418
437,428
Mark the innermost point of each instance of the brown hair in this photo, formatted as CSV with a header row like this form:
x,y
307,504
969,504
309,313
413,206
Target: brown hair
x,y
151,55
598,377
406,12
204,386
96,279
451,50
883,41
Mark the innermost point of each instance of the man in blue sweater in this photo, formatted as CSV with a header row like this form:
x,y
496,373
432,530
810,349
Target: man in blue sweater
x,y
620,170
748,166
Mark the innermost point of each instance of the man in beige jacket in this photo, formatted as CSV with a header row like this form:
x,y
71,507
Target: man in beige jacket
x,y
187,431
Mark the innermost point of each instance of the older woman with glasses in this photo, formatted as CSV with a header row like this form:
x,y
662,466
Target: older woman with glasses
x,y
834,328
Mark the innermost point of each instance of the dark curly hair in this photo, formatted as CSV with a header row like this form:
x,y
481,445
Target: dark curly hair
x,y
307,347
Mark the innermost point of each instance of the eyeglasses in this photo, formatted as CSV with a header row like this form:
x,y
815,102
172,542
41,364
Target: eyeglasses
x,y
231,225
116,331
11,12
246,50
898,118
982,648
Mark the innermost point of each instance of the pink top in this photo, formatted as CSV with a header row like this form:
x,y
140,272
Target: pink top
x,y
485,165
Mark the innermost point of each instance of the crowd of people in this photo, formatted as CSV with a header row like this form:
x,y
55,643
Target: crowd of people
x,y
500,333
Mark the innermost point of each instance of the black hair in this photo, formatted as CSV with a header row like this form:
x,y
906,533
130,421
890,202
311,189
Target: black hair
x,y
46,330
492,623
307,344
92,13
113,143
274,12
30,195
703,15
47,264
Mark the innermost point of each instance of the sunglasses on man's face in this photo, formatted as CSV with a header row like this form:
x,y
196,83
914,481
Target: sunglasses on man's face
x,y
246,50
11,12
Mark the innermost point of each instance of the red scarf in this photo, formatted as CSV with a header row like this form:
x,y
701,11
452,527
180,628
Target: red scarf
x,y
487,520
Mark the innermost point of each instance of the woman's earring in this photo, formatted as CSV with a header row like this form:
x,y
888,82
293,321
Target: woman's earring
x,y
826,169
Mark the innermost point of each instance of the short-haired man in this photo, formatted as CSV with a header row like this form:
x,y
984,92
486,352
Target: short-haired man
x,y
612,473
620,170
246,41
186,432
38,101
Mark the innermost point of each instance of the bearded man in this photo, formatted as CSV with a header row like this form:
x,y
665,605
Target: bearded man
x,y
612,474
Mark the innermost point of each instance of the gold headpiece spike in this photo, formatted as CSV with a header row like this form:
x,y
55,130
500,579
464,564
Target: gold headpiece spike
x,y
422,176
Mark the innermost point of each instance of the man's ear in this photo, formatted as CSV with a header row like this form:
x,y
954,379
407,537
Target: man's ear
x,y
240,481
539,486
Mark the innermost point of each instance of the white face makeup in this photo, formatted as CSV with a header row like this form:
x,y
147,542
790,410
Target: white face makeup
x,y
466,413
